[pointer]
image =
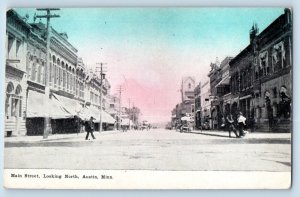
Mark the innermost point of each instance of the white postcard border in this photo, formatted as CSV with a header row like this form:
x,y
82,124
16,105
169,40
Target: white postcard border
x,y
144,179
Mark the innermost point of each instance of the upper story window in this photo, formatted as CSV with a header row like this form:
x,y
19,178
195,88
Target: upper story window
x,y
10,42
18,45
263,63
278,56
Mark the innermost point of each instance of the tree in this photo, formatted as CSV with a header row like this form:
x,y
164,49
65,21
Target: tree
x,y
133,114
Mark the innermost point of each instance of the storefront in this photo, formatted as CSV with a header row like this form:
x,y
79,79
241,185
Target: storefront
x,y
40,107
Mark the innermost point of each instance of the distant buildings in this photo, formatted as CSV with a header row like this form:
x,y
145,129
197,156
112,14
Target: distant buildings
x,y
205,110
219,87
187,106
197,112
256,82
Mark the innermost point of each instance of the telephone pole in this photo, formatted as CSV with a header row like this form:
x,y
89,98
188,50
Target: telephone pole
x,y
133,115
101,87
129,113
120,90
48,16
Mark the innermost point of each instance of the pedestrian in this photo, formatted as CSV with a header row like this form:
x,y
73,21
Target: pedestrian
x,y
230,125
77,124
223,122
89,127
241,123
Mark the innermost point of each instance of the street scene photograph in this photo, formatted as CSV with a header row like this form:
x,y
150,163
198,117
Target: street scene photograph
x,y
160,89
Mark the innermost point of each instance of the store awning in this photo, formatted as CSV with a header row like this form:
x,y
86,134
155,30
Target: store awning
x,y
89,111
71,105
38,107
223,82
107,118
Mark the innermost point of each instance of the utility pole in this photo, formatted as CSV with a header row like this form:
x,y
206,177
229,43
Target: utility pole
x,y
133,114
48,16
101,87
120,90
129,113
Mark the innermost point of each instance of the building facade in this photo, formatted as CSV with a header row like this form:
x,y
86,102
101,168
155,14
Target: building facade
x,y
261,77
272,75
69,89
241,72
220,91
197,113
206,103
17,31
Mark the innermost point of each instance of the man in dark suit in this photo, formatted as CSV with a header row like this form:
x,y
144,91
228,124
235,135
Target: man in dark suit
x,y
230,125
89,127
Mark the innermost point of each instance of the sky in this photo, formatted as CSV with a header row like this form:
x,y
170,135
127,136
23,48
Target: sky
x,y
148,50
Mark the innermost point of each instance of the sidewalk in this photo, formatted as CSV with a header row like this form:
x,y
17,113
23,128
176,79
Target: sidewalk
x,y
57,137
254,135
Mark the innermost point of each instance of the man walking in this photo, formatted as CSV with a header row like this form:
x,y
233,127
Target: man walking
x,y
89,127
230,124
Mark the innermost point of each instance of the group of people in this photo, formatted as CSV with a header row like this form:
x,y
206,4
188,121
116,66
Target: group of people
x,y
236,126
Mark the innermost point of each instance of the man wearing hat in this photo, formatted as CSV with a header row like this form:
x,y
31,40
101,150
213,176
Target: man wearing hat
x,y
90,128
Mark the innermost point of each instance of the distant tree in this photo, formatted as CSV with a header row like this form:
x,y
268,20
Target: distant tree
x,y
133,114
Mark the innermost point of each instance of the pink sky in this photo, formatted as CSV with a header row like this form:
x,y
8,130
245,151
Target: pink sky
x,y
151,77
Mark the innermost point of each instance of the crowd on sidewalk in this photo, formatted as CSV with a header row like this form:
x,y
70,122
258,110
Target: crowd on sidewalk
x,y
229,123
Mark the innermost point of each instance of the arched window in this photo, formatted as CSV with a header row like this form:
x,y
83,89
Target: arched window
x,y
9,92
54,73
18,90
64,79
67,81
10,88
67,77
58,73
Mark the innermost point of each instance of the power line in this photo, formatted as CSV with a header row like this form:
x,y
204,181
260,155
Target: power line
x,y
120,90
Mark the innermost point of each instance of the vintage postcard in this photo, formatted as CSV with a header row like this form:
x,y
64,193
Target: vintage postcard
x,y
148,98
